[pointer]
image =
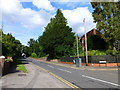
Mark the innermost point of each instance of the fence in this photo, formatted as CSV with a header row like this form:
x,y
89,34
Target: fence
x,y
94,59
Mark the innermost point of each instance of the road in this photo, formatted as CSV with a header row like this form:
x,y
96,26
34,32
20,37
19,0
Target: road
x,y
104,80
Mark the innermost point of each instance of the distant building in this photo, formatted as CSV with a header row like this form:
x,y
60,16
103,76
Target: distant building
x,y
90,33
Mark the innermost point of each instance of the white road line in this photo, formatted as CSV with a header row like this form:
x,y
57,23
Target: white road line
x,y
50,66
64,70
101,80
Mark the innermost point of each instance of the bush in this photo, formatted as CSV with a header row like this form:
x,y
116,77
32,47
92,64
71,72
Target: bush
x,y
9,60
109,52
34,55
94,53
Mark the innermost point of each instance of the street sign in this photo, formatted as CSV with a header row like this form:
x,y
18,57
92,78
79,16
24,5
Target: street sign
x,y
102,61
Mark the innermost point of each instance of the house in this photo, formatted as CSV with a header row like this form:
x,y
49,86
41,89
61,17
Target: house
x,y
90,33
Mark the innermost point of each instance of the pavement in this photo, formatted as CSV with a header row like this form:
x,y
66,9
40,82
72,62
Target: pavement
x,y
83,77
34,78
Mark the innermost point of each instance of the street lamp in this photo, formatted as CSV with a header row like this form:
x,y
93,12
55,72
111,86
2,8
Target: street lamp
x,y
85,42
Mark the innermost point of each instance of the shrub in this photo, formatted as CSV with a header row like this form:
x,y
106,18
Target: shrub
x,y
94,53
9,60
34,55
109,52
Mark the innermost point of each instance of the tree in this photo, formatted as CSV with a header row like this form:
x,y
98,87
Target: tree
x,y
106,15
26,50
10,46
74,49
57,39
35,47
95,42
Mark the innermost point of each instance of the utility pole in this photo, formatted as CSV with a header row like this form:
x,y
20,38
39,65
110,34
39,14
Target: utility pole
x,y
85,42
77,45
78,61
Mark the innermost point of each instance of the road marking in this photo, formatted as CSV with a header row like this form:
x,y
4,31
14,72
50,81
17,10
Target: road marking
x,y
60,78
101,80
80,68
50,66
64,70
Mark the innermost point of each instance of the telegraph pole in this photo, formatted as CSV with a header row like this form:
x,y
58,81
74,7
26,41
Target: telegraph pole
x,y
77,60
85,42
77,46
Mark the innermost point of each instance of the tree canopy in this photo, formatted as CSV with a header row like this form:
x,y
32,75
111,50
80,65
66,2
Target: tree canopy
x,y
95,42
10,46
57,39
106,15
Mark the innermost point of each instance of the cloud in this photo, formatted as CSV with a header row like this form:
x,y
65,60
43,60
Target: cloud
x,y
43,4
75,19
13,12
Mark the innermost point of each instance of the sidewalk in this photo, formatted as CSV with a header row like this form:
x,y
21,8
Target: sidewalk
x,y
35,78
81,67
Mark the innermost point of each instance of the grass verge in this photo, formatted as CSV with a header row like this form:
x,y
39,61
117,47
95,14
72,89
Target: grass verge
x,y
21,67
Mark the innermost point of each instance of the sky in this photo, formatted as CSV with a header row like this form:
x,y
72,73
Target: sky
x,y
26,19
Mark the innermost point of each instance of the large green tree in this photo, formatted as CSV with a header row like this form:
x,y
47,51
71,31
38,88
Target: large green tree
x,y
10,46
57,39
107,17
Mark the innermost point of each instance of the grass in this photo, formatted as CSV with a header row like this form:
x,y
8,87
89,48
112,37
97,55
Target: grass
x,y
21,67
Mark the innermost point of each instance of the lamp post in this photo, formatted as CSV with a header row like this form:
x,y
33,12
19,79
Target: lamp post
x,y
85,42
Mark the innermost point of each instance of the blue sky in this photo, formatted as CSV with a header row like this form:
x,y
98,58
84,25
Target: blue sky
x,y
25,20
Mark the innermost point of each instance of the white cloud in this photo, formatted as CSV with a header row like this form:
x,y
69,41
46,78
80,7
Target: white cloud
x,y
75,19
43,4
13,12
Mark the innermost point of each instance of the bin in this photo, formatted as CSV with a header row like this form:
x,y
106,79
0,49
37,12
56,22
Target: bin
x,y
78,62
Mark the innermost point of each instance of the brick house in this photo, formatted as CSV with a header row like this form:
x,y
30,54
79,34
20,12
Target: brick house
x,y
90,33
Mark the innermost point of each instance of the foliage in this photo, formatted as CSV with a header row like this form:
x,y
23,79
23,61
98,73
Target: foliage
x,y
21,67
35,46
95,42
74,49
109,52
34,55
112,52
10,46
9,60
26,50
57,39
106,15
94,53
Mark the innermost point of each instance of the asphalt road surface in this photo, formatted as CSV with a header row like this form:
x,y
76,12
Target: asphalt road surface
x,y
85,79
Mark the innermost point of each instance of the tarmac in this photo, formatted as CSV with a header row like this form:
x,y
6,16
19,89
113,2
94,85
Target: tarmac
x,y
34,78
80,67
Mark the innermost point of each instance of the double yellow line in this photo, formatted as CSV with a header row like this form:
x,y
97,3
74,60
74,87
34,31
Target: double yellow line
x,y
60,78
